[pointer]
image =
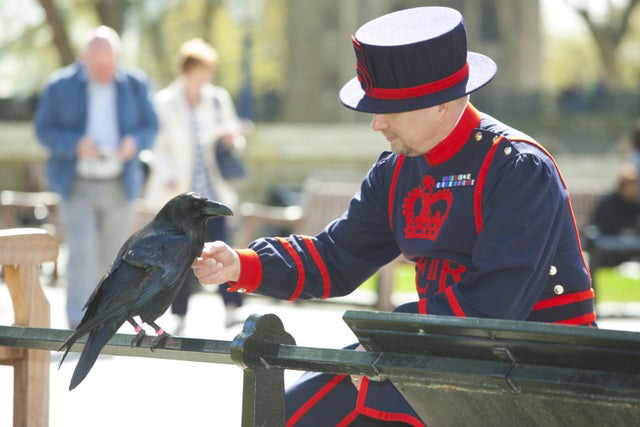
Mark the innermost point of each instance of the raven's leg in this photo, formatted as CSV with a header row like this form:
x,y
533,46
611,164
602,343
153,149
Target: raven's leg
x,y
161,336
135,341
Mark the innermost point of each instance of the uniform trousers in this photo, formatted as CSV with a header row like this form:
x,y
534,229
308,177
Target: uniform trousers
x,y
318,399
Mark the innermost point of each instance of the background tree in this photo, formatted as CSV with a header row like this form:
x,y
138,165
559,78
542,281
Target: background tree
x,y
608,31
59,35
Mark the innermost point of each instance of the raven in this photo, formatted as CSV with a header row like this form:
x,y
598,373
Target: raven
x,y
145,277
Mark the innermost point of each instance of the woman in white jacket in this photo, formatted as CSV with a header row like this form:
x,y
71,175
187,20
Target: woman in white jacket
x,y
194,116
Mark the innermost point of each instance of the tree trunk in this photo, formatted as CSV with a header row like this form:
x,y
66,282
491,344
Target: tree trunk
x,y
608,36
208,10
111,13
58,29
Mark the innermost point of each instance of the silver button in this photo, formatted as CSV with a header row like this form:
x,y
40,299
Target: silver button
x,y
553,270
507,151
495,138
241,290
558,289
478,136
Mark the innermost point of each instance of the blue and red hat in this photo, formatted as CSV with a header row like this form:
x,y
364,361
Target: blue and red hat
x,y
412,59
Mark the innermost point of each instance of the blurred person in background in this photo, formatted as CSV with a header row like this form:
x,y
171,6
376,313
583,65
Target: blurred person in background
x,y
615,220
94,117
619,211
195,116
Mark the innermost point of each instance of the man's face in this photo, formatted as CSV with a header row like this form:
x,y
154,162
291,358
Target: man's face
x,y
411,133
100,60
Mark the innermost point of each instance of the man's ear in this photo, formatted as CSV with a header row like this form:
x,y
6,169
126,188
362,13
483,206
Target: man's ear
x,y
442,110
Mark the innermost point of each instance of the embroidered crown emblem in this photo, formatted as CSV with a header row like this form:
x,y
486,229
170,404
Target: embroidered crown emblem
x,y
432,207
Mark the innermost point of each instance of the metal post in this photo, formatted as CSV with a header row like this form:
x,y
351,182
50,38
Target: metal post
x,y
263,389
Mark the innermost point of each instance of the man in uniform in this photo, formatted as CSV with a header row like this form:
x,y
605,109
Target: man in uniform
x,y
480,208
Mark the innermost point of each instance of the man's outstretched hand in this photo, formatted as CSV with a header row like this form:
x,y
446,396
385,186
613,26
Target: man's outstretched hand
x,y
219,263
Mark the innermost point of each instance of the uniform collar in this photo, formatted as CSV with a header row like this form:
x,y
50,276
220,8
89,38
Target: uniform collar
x,y
449,147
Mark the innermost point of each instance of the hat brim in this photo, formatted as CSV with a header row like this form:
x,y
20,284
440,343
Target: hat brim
x,y
482,69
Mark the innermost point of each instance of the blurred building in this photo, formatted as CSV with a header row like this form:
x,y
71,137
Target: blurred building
x,y
321,56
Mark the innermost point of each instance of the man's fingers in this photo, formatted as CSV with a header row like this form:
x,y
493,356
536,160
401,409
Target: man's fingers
x,y
211,249
202,266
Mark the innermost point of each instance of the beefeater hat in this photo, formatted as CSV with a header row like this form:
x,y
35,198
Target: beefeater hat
x,y
412,59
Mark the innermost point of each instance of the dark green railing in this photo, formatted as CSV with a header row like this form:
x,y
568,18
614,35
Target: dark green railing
x,y
453,371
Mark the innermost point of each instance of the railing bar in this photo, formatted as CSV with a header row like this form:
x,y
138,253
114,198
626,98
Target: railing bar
x,y
187,349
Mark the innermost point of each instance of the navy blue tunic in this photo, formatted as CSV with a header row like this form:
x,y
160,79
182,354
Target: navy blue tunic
x,y
486,218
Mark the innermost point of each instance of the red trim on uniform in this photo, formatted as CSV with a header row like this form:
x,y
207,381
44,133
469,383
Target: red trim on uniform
x,y
422,305
573,218
250,271
580,320
449,147
314,399
299,266
564,299
392,416
420,90
392,190
326,281
362,393
361,409
453,302
348,419
482,177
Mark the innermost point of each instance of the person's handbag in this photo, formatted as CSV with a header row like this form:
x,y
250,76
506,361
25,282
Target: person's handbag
x,y
230,164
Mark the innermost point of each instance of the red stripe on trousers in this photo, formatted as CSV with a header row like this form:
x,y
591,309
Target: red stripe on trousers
x,y
314,399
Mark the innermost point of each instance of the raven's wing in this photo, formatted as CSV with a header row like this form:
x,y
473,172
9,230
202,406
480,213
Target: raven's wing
x,y
145,266
145,252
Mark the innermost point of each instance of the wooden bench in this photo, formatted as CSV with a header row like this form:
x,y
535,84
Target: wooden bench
x,y
40,206
21,251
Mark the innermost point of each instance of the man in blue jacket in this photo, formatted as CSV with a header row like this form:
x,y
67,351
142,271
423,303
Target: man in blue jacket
x,y
94,118
478,207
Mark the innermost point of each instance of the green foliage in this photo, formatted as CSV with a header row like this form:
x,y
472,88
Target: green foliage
x,y
153,31
572,57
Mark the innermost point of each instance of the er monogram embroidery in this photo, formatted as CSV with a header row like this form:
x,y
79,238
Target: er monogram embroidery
x,y
426,210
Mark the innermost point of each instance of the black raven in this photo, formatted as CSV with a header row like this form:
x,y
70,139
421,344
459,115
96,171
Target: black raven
x,y
145,276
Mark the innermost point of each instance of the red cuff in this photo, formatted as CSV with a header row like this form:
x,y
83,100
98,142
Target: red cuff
x,y
250,272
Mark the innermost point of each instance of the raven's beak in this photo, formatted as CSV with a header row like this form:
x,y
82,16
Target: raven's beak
x,y
215,209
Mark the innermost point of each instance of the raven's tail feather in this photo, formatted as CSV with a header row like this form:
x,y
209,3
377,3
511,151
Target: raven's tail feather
x,y
97,339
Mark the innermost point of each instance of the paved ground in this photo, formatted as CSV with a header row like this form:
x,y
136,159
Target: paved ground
x,y
125,391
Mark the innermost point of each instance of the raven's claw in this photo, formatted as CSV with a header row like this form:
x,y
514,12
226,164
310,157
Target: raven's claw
x,y
135,341
158,341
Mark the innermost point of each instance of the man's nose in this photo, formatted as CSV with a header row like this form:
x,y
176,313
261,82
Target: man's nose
x,y
379,122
